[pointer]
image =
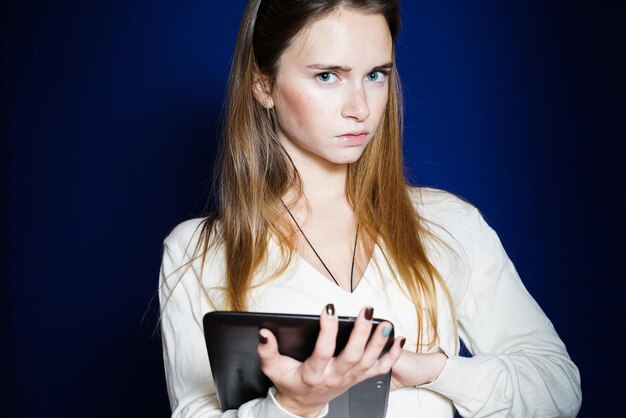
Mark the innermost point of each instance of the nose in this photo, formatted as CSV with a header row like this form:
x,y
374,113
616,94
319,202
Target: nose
x,y
355,105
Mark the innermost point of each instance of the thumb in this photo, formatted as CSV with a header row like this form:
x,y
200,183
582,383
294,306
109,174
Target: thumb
x,y
268,350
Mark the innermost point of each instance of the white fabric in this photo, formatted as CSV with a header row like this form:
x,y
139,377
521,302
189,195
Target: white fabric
x,y
520,367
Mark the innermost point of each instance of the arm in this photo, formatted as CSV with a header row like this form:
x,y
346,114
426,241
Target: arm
x,y
520,366
183,303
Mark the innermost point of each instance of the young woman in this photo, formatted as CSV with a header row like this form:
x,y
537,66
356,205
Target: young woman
x,y
315,216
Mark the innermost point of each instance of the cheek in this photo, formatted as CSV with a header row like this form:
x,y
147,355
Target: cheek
x,y
301,109
292,108
380,103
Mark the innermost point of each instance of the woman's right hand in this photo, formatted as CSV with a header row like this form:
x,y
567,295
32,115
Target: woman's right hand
x,y
304,388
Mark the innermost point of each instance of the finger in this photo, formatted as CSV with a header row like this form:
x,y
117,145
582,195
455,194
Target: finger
x,y
353,351
384,364
325,344
268,351
376,345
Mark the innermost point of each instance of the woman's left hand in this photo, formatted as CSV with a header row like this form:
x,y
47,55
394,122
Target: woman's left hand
x,y
414,369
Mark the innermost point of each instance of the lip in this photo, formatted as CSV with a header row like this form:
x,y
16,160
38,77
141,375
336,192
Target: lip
x,y
353,138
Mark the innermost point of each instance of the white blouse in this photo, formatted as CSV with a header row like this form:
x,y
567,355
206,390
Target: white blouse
x,y
519,368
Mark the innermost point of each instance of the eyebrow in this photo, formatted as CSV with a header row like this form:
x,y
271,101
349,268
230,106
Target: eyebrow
x,y
346,69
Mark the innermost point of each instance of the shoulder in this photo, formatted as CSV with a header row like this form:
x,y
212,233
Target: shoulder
x,y
454,230
452,223
192,258
185,236
451,229
448,210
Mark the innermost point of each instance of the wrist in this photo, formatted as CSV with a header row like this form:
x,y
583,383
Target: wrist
x,y
295,407
438,361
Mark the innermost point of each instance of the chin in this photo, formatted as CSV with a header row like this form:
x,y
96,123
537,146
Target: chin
x,y
346,157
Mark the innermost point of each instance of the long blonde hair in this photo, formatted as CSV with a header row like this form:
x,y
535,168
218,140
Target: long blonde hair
x,y
254,170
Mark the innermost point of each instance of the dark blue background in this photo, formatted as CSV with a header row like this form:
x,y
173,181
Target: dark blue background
x,y
112,110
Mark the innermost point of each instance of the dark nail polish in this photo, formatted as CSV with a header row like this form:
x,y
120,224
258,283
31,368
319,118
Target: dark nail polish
x,y
262,339
402,341
330,309
369,313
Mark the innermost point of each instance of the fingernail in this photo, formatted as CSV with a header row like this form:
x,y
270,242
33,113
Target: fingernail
x,y
386,330
330,309
369,313
402,341
262,339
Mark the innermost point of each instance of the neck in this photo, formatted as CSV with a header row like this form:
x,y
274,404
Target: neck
x,y
321,179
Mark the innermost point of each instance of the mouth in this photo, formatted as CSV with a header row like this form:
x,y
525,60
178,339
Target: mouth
x,y
354,138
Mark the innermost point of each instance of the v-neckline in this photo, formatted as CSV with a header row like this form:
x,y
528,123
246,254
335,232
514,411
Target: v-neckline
x,y
321,275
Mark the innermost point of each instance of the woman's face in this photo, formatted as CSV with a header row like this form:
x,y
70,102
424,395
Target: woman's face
x,y
331,87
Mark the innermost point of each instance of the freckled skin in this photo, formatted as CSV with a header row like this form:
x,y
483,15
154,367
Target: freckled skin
x,y
313,107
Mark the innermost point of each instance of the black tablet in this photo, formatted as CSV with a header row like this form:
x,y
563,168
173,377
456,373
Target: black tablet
x,y
232,338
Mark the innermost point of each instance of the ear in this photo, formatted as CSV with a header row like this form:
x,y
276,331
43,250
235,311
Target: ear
x,y
261,88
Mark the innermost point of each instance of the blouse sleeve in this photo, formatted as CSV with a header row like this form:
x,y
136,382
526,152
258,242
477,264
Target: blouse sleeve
x,y
188,376
520,367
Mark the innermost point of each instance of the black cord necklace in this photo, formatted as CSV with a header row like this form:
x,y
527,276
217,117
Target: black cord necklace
x,y
356,237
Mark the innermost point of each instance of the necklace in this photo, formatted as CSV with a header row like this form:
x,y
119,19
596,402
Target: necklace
x,y
356,237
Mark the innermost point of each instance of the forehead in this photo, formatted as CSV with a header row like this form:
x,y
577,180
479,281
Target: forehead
x,y
344,37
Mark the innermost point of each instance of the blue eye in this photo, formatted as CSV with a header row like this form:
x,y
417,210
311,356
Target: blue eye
x,y
326,77
376,76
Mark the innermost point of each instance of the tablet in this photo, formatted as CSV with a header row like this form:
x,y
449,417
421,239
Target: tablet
x,y
232,339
